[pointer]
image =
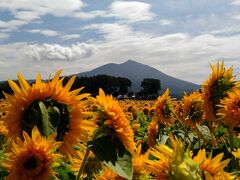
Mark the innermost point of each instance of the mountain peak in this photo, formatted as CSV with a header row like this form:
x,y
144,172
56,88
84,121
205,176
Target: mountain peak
x,y
136,72
130,62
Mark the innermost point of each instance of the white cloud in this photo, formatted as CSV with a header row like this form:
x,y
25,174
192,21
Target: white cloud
x,y
90,15
132,11
25,11
45,32
237,17
70,36
11,24
129,11
236,2
54,7
165,22
56,52
3,35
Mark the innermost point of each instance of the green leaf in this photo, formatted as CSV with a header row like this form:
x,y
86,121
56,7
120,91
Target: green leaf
x,y
108,148
123,165
65,173
48,128
163,139
205,132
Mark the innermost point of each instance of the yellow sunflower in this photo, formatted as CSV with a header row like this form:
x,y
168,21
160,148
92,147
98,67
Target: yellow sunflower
x,y
215,88
161,166
115,118
192,109
237,153
163,112
172,163
108,174
24,110
32,158
230,108
139,170
212,167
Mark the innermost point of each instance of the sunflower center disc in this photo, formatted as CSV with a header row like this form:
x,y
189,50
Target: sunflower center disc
x,y
30,163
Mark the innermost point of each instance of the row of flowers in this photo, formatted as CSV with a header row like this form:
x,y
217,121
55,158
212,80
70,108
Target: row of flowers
x,y
50,131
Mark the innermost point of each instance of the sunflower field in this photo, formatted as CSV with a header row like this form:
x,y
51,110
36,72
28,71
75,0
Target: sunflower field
x,y
48,131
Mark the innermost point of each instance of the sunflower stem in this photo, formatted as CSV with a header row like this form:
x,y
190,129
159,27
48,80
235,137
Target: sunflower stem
x,y
199,140
231,135
83,163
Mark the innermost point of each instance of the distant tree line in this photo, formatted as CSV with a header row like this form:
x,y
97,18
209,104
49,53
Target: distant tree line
x,y
117,86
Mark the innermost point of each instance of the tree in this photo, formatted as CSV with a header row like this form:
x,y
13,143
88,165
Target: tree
x,y
151,87
123,85
110,85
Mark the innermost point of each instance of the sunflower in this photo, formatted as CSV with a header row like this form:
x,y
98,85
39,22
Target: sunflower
x,y
3,128
92,165
212,167
139,170
115,118
107,174
192,109
230,108
237,153
172,163
29,103
152,133
160,167
215,88
32,158
163,109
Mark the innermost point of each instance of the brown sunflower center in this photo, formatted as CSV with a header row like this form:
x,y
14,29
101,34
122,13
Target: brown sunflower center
x,y
49,116
166,111
195,112
30,163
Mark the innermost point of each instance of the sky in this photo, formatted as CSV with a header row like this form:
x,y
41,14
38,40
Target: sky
x,y
178,37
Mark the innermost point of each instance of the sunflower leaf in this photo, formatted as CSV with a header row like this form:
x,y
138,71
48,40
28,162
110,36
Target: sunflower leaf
x,y
108,148
47,126
205,132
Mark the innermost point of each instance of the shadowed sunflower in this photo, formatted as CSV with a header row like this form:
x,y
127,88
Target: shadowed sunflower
x,y
152,133
230,108
215,88
212,167
48,104
114,118
163,112
92,164
32,158
3,128
192,109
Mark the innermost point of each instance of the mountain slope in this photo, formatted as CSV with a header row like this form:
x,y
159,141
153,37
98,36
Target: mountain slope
x,y
136,72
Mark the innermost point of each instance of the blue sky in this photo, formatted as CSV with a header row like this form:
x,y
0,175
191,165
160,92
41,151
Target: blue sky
x,y
178,37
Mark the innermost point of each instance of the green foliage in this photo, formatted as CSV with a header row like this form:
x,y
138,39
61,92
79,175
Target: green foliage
x,y
204,132
108,148
64,172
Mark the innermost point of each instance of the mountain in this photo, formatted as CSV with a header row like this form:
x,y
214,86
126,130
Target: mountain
x,y
136,72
